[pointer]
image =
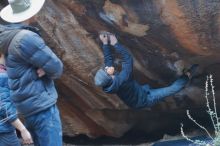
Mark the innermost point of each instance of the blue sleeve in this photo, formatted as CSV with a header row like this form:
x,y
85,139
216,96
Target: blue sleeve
x,y
127,61
7,110
34,50
108,59
127,67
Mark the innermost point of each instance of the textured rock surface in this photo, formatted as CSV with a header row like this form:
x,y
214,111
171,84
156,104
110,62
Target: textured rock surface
x,y
163,36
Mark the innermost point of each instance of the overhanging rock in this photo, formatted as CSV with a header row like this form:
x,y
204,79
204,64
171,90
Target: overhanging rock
x,y
163,36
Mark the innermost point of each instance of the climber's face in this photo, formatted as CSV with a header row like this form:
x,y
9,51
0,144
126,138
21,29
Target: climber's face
x,y
110,70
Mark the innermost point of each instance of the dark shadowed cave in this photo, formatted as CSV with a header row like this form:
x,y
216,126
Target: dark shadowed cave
x,y
164,36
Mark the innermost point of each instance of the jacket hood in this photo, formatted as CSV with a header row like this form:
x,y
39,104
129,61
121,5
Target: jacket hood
x,y
6,35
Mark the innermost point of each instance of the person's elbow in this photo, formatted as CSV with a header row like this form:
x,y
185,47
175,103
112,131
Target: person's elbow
x,y
12,115
53,68
58,70
130,57
131,60
129,65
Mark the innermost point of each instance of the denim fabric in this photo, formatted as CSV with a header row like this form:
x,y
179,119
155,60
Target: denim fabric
x,y
145,96
9,139
45,127
156,95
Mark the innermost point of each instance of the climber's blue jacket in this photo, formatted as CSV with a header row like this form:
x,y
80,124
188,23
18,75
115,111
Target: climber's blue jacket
x,y
129,90
123,84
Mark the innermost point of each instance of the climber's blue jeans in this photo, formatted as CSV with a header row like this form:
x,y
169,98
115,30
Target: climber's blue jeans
x,y
9,139
156,95
45,127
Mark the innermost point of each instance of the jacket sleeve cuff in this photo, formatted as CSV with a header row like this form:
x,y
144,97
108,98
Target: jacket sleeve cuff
x,y
105,45
12,118
117,45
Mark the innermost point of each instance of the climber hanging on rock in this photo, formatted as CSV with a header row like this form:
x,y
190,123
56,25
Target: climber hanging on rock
x,y
122,83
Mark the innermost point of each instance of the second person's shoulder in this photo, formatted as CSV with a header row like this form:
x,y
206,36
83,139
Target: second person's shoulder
x,y
29,38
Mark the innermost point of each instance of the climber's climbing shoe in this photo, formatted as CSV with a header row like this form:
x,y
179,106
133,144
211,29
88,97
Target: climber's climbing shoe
x,y
191,72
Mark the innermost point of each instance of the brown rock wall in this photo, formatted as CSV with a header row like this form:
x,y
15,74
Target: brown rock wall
x,y
162,35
